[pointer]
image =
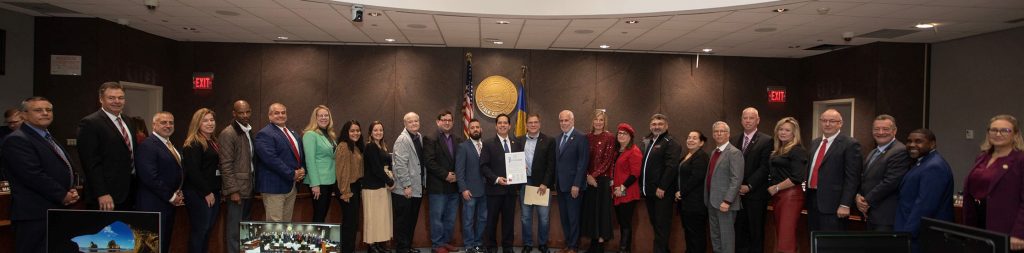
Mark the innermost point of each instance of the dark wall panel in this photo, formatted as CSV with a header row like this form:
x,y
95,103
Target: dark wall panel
x,y
692,95
295,76
365,88
621,80
563,80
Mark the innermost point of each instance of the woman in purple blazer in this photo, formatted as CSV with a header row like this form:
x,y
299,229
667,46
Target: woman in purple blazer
x,y
994,189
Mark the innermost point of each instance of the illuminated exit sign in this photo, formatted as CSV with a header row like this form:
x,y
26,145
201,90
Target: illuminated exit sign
x,y
202,81
776,94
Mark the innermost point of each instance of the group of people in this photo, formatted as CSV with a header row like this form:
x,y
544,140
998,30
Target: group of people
x,y
594,176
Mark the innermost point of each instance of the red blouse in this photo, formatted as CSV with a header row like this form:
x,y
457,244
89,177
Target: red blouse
x,y
628,165
602,154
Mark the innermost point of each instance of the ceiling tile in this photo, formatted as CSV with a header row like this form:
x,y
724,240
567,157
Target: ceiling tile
x,y
705,17
874,10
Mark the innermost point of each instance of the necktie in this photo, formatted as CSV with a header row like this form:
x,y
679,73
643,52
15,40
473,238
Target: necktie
x,y
505,145
124,133
561,145
291,144
817,164
60,152
746,142
174,152
478,148
711,168
874,156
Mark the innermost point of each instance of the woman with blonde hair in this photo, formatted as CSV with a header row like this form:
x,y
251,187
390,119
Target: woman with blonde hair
x,y
994,189
200,159
787,167
597,199
377,220
318,143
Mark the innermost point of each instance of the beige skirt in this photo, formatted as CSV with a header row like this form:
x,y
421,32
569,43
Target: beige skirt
x,y
376,215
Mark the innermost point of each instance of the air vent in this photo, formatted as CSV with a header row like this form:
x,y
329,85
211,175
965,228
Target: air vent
x,y
887,33
44,8
1015,21
827,47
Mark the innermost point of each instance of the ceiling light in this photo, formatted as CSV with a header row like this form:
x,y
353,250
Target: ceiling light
x,y
389,40
282,37
925,25
375,14
604,46
502,22
780,10
632,21
706,50
498,42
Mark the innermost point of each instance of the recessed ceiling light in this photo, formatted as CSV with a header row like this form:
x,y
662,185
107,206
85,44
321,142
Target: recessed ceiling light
x,y
498,42
604,46
389,40
706,50
374,14
925,25
502,22
282,37
632,21
780,10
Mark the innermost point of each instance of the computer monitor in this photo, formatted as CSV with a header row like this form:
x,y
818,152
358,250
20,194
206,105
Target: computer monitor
x,y
942,236
102,231
859,242
258,236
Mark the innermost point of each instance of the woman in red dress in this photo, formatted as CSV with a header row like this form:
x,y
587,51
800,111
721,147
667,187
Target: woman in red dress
x,y
597,199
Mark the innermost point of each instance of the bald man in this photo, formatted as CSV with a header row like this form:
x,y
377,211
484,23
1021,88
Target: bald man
x,y
834,175
756,147
236,166
407,196
572,156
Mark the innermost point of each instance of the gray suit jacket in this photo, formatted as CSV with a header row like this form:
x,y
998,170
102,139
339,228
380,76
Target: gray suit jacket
x,y
726,179
406,165
880,182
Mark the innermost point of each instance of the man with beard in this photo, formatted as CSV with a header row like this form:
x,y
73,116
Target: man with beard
x,y
926,189
471,187
661,154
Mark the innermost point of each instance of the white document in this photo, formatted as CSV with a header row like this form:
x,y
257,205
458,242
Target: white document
x,y
530,196
515,168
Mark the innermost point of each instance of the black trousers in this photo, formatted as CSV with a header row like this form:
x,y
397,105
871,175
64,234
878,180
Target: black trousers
x,y
350,217
818,221
29,235
695,228
322,205
504,206
406,212
660,213
624,215
750,225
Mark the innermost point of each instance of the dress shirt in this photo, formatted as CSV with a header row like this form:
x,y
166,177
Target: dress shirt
x,y
814,157
113,119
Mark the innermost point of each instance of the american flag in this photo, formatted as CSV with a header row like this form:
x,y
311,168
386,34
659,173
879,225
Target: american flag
x,y
467,97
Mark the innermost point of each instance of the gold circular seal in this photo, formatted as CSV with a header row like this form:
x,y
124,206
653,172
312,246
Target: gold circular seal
x,y
496,95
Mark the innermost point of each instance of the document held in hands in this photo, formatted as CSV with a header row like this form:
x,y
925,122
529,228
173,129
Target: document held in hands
x,y
515,168
530,196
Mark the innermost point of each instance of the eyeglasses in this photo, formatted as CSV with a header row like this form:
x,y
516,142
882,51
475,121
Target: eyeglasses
x,y
623,133
833,122
1000,131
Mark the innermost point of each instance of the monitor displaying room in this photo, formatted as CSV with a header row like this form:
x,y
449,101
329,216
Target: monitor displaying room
x,y
258,236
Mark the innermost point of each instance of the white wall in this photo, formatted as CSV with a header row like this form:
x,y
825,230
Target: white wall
x,y
16,84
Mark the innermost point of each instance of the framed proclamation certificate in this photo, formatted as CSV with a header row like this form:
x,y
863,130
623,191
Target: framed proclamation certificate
x,y
515,168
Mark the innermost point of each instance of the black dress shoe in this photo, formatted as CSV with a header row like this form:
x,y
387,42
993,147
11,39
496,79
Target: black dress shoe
x,y
543,249
526,249
413,251
507,250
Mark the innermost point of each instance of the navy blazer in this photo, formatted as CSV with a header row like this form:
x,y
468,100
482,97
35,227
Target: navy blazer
x,y
467,169
276,163
39,178
926,191
159,175
839,175
492,165
571,161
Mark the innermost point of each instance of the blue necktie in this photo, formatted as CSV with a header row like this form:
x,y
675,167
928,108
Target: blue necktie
x,y
505,145
561,146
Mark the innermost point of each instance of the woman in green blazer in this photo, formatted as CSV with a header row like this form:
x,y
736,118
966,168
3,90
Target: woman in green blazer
x,y
318,142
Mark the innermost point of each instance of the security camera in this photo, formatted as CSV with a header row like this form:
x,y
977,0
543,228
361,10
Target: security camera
x,y
151,4
847,36
357,13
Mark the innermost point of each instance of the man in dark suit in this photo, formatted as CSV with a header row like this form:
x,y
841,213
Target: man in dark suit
x,y
721,189
41,176
158,163
13,119
658,170
442,188
471,187
883,172
539,150
572,151
105,146
925,189
280,164
834,176
501,196
756,147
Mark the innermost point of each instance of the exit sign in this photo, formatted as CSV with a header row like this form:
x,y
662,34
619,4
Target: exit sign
x,y
202,81
776,94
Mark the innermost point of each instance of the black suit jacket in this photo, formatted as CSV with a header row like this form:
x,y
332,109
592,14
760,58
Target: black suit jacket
x,y
839,175
439,163
201,175
543,165
755,168
39,178
492,164
106,159
880,182
659,166
692,174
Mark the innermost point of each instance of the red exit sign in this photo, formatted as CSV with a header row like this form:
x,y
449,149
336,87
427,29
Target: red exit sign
x,y
202,81
776,94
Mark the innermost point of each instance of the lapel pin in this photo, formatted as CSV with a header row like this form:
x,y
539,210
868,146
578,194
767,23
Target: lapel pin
x,y
1006,167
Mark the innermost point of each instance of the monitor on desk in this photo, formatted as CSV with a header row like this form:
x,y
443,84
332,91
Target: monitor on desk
x,y
859,242
942,236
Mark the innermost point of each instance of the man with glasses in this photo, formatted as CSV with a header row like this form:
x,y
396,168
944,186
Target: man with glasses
x,y
834,176
883,171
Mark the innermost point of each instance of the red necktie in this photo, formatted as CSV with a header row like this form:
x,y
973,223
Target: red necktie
x,y
124,134
711,168
817,163
291,144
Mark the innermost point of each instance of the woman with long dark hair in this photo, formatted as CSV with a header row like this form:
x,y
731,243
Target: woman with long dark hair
x,y
377,180
349,167
692,172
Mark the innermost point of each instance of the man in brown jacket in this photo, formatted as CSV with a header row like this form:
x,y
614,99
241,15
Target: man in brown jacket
x,y
237,171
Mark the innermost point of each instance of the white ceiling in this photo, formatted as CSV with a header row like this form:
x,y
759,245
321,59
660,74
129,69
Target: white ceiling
x,y
728,31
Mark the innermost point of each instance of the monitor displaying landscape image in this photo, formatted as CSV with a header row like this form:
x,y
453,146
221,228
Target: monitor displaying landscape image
x,y
102,231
